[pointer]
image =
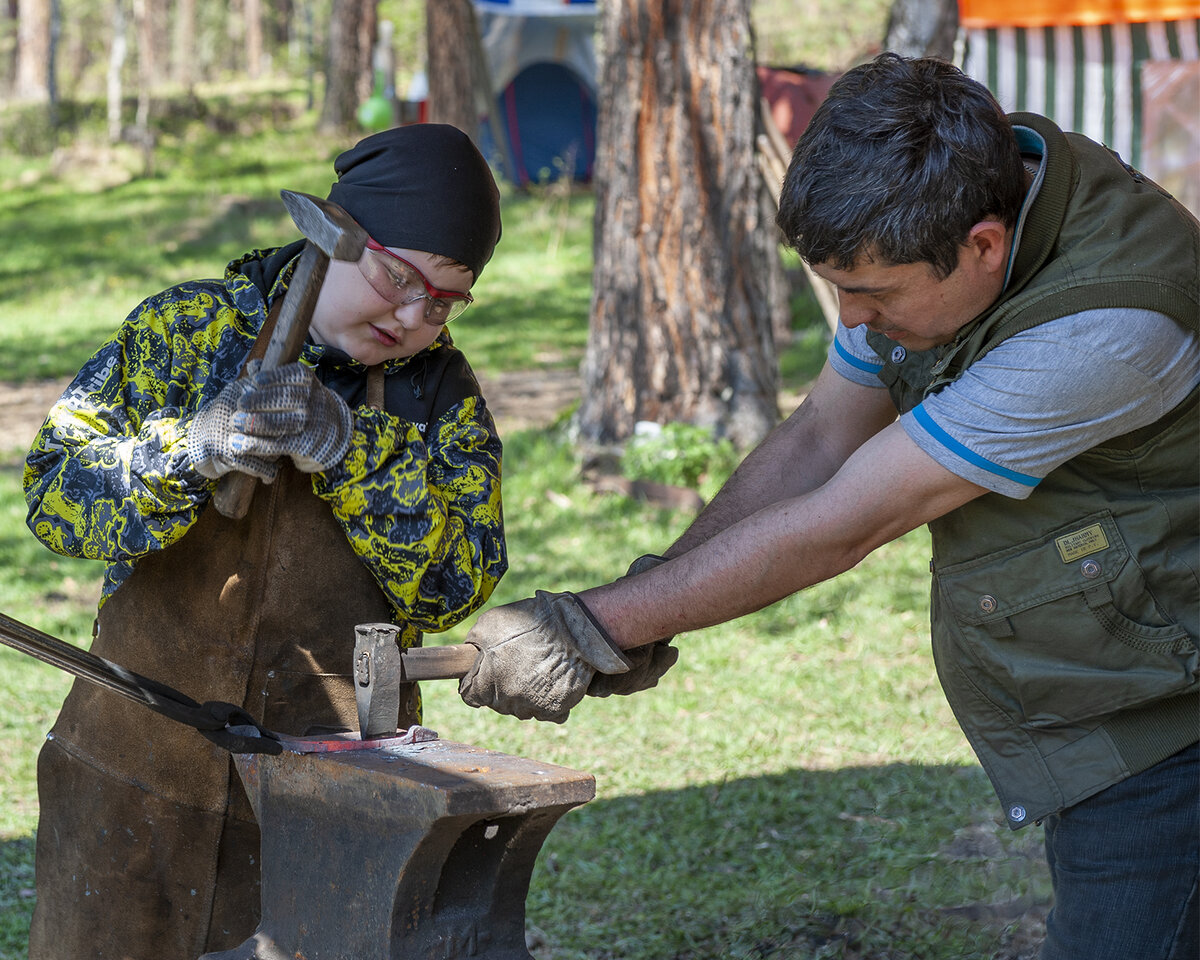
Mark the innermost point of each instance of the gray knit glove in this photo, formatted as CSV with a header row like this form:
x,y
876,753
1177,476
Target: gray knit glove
x,y
537,657
288,412
210,435
647,663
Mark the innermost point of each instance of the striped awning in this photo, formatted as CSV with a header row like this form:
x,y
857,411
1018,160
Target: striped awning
x,y
1087,78
1045,13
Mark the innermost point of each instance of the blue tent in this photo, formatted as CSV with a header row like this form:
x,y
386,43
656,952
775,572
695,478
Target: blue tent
x,y
542,64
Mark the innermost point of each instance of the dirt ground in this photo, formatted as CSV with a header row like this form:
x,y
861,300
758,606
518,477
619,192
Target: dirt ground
x,y
518,401
22,408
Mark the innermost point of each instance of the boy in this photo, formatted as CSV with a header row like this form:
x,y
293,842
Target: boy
x,y
381,502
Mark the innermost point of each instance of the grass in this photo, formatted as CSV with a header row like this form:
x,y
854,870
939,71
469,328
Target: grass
x,y
95,240
795,788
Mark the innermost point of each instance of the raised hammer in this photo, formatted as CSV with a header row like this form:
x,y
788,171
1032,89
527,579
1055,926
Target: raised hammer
x,y
332,234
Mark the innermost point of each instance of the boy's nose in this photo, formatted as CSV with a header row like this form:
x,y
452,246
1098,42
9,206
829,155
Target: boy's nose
x,y
411,315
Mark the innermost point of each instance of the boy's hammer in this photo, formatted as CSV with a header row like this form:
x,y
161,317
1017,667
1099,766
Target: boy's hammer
x,y
332,234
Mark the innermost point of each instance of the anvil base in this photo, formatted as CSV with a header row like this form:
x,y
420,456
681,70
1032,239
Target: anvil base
x,y
399,850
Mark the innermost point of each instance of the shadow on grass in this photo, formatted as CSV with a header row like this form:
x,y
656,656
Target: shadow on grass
x,y
884,862
881,863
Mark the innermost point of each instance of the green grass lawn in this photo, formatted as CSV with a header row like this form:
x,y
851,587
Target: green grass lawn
x,y
795,787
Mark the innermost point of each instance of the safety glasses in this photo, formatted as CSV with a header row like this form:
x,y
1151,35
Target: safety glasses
x,y
401,283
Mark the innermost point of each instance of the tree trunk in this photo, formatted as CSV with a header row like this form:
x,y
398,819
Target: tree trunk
x,y
33,51
687,279
368,31
451,37
116,64
278,24
183,45
300,44
310,56
8,53
147,66
922,28
254,39
149,16
52,59
346,62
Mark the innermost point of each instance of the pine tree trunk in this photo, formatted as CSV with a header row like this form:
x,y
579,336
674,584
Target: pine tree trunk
x,y
8,64
183,49
922,28
368,30
145,15
687,279
254,39
346,63
115,90
450,32
33,50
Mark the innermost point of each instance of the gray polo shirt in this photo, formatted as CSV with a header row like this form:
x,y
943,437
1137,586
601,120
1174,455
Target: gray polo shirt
x,y
1044,395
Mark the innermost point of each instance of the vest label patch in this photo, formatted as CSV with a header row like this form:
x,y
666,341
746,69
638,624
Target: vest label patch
x,y
1081,543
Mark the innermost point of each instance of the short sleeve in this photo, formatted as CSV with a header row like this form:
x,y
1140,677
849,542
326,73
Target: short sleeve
x,y
851,357
1049,393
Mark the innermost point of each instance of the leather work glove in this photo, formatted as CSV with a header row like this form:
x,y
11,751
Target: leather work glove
x,y
537,657
210,435
288,412
647,663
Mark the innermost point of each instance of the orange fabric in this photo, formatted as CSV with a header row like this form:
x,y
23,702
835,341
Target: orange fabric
x,y
1042,13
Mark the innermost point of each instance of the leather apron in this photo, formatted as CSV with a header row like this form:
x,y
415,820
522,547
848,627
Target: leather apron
x,y
147,847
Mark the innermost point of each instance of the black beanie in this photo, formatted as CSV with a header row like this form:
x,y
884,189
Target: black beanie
x,y
425,187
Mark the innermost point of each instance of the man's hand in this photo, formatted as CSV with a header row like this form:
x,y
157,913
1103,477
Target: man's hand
x,y
288,412
210,434
537,657
647,663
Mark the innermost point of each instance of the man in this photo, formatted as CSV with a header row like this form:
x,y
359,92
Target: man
x,y
1029,305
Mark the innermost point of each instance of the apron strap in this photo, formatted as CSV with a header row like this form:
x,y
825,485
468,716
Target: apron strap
x,y
375,386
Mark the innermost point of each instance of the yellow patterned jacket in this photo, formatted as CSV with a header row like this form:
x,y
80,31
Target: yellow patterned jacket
x,y
418,493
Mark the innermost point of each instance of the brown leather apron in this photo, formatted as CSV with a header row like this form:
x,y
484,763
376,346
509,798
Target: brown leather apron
x,y
147,848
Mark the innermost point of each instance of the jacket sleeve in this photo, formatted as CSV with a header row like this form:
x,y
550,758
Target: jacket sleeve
x,y
108,477
423,513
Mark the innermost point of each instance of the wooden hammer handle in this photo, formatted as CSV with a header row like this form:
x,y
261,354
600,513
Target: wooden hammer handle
x,y
447,662
236,490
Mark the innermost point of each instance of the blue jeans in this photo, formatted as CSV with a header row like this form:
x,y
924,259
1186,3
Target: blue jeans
x,y
1125,865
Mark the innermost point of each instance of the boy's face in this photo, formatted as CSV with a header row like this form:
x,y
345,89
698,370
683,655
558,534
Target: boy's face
x,y
353,317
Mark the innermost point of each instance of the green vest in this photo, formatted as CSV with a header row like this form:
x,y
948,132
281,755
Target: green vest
x,y
1065,626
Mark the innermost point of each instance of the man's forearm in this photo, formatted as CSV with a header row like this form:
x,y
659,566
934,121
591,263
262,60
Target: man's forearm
x,y
785,546
798,456
738,570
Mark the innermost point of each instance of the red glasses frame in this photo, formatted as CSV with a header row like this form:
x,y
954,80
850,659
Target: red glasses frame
x,y
453,302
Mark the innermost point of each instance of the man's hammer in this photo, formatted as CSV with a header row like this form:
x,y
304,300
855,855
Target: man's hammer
x,y
332,234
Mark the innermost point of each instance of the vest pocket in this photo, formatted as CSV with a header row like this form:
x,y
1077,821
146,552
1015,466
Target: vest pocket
x,y
1064,628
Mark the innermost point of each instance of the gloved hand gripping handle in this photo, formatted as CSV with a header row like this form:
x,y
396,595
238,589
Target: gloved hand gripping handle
x,y
331,233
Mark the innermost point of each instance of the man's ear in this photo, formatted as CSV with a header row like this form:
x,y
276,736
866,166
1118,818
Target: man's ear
x,y
989,242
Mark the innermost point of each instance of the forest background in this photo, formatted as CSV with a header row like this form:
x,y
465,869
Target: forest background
x,y
795,788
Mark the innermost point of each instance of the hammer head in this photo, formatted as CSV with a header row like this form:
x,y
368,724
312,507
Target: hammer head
x,y
326,224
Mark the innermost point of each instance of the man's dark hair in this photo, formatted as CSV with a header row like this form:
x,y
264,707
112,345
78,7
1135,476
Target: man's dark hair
x,y
899,162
